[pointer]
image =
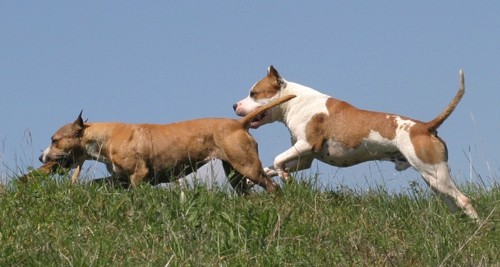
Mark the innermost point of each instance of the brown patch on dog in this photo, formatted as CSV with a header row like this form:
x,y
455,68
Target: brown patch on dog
x,y
268,86
347,125
428,147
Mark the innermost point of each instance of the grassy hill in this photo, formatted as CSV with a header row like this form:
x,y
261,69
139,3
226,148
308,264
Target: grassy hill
x,y
52,223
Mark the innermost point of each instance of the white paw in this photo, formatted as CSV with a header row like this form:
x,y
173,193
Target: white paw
x,y
250,184
284,175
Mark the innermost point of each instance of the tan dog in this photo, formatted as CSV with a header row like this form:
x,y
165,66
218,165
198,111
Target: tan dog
x,y
160,153
339,134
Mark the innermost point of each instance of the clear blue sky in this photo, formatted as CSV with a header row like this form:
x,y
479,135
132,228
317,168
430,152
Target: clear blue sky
x,y
136,61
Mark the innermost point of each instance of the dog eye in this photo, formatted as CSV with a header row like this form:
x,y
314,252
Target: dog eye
x,y
252,94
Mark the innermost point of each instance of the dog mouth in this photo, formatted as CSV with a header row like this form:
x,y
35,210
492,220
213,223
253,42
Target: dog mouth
x,y
64,161
256,122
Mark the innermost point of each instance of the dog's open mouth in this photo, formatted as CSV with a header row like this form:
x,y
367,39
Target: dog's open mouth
x,y
256,121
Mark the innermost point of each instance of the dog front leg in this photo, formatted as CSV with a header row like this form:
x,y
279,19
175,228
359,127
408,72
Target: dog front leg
x,y
292,166
76,173
140,172
296,158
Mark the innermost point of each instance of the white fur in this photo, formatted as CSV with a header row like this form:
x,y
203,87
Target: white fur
x,y
45,153
298,112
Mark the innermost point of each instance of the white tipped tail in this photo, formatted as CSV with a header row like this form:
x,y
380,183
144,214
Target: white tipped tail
x,y
435,123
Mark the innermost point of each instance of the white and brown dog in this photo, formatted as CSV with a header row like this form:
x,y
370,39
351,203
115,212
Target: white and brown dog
x,y
161,153
342,135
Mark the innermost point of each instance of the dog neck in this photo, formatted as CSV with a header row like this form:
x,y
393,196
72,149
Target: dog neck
x,y
95,142
301,111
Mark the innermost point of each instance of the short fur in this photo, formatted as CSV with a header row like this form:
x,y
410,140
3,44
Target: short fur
x,y
159,153
340,134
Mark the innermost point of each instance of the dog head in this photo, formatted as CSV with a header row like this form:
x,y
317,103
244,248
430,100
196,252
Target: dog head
x,y
66,147
263,92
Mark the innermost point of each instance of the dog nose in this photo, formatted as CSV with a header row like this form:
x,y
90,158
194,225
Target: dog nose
x,y
41,158
235,106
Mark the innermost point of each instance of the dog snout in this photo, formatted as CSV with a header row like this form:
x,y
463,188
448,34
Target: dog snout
x,y
44,155
238,109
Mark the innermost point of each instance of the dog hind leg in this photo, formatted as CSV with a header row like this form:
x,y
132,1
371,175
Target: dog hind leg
x,y
244,158
237,181
439,179
252,169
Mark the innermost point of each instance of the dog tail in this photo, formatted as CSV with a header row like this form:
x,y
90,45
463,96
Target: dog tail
x,y
433,125
245,121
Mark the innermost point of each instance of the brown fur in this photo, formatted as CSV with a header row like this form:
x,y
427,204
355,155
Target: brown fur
x,y
347,125
436,122
422,142
267,87
340,134
158,153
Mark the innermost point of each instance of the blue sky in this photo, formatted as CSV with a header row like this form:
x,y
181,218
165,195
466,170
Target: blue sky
x,y
160,62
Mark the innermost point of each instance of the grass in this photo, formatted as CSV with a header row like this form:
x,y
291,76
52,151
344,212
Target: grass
x,y
50,222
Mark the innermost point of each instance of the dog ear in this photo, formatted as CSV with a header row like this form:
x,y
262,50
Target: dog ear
x,y
273,74
78,124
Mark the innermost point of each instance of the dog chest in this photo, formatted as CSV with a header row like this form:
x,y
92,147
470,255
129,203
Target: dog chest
x,y
96,151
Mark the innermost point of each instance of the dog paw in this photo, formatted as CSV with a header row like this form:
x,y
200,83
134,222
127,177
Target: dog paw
x,y
249,182
284,175
270,172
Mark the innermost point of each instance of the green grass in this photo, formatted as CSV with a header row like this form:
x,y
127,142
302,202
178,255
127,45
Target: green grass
x,y
49,222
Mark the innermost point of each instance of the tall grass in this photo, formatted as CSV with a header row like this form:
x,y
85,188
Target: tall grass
x,y
50,222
